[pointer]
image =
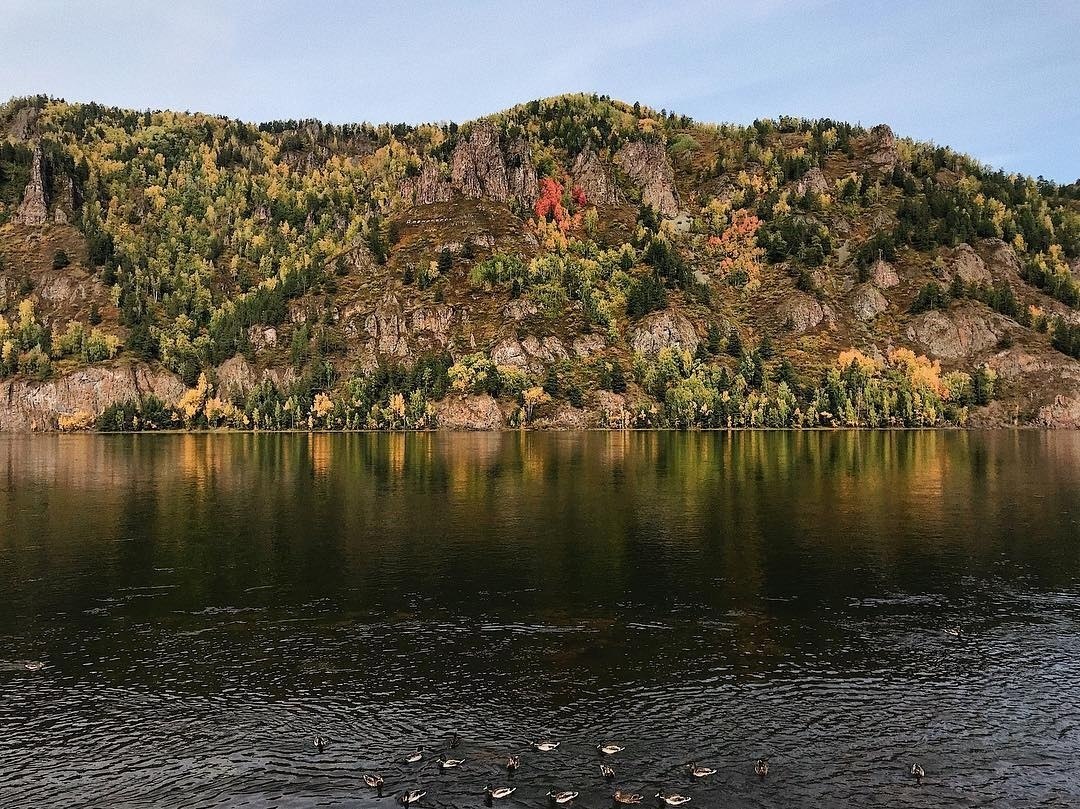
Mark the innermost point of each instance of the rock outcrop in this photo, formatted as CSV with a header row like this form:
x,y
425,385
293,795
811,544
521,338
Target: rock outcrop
x,y
469,413
963,262
881,149
663,329
531,353
649,169
802,312
480,168
962,332
27,405
867,302
594,178
34,209
883,275
814,181
1062,413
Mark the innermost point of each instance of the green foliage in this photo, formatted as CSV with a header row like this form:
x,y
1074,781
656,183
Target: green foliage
x,y
931,296
60,260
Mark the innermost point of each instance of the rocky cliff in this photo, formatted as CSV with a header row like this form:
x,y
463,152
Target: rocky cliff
x,y
575,262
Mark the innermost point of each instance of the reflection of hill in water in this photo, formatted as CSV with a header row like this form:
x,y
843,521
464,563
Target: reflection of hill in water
x,y
708,596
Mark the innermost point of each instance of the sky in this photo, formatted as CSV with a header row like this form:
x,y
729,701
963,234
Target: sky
x,y
997,80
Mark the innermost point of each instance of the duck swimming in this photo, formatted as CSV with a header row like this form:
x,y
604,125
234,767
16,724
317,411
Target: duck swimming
x,y
672,800
33,665
761,767
447,763
918,772
453,741
609,749
501,792
546,747
374,781
513,762
607,771
562,797
412,758
319,743
701,772
626,797
412,796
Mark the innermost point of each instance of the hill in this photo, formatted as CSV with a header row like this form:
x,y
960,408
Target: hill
x,y
570,262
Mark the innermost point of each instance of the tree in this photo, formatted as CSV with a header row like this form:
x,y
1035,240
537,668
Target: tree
x,y
445,261
60,260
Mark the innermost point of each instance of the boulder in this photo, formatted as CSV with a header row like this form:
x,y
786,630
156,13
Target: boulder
x,y
663,329
1000,259
867,302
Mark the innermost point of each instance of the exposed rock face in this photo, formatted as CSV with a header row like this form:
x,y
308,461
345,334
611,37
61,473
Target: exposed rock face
x,y
34,209
262,337
1000,259
883,275
531,353
814,181
1062,413
521,175
867,303
387,327
519,309
478,168
427,187
882,148
23,125
594,178
803,312
27,405
961,332
965,263
469,413
648,167
663,329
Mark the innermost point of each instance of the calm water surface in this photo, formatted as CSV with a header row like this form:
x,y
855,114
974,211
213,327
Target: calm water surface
x,y
204,604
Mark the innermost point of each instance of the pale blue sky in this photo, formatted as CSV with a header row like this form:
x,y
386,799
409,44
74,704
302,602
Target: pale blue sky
x,y
999,80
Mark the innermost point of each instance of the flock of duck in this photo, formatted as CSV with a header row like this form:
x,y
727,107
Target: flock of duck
x,y
446,761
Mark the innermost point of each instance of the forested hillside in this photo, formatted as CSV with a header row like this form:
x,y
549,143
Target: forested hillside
x,y
570,262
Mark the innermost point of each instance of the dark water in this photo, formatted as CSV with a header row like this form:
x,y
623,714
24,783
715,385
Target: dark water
x,y
204,605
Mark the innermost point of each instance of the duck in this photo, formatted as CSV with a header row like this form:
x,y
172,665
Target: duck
x,y
609,749
546,746
626,797
319,743
918,772
500,792
607,771
453,741
562,797
375,781
672,800
953,630
761,767
513,762
447,763
33,665
412,796
701,772
412,758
